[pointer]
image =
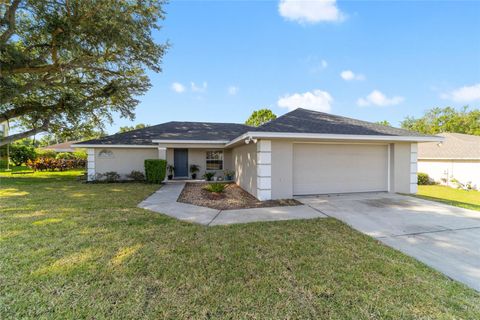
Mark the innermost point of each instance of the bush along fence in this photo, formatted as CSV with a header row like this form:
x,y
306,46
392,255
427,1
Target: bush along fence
x,y
51,164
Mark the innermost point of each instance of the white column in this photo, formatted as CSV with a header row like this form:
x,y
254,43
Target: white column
x,y
264,170
90,164
162,153
413,168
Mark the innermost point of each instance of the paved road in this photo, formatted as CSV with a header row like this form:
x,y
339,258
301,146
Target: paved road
x,y
444,237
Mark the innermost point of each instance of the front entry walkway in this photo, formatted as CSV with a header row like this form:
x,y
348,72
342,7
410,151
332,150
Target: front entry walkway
x,y
164,201
444,237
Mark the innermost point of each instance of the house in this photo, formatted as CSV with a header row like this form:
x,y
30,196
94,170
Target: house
x,y
457,157
61,147
300,153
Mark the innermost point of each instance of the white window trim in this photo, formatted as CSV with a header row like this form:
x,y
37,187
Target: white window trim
x,y
206,160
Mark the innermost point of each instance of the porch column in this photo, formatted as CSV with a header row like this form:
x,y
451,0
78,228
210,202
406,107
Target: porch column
x,y
413,168
162,153
264,170
90,164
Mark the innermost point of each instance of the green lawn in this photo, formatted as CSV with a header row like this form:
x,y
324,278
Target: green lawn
x,y
70,250
455,197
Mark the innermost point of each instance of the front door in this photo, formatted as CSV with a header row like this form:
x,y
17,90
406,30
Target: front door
x,y
180,162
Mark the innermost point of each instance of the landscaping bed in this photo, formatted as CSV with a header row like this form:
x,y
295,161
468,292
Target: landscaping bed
x,y
233,197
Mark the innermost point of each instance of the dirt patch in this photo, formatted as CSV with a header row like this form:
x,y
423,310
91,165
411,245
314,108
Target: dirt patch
x,y
233,197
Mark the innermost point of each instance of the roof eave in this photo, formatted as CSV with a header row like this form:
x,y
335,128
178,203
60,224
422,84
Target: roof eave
x,y
327,136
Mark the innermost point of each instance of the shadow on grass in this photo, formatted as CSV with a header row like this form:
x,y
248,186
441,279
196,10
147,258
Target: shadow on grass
x,y
460,204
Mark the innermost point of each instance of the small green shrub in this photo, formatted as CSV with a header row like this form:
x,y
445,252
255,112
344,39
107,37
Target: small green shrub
x,y
45,153
229,174
155,170
111,176
65,156
215,187
423,179
136,176
80,155
208,176
3,163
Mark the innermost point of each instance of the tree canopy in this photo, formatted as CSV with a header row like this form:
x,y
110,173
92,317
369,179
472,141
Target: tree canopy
x,y
446,119
259,117
384,123
69,65
130,128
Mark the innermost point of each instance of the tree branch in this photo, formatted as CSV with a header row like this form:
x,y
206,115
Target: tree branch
x,y
9,19
11,138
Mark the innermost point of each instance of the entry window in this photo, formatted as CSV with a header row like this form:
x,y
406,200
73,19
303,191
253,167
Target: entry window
x,y
214,160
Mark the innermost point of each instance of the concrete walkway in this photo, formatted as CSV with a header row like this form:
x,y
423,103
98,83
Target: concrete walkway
x,y
444,237
164,201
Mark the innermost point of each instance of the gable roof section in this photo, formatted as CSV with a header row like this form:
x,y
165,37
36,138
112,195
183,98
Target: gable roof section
x,y
174,131
455,146
308,121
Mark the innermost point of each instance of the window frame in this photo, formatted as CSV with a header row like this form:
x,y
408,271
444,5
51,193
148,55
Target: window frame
x,y
207,159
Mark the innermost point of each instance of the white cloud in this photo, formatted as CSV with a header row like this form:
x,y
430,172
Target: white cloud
x,y
349,75
178,87
233,90
464,94
317,100
324,64
310,11
198,88
377,98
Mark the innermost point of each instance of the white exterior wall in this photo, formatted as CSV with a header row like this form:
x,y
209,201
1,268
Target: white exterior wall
x,y
90,164
463,170
403,167
123,160
245,165
282,169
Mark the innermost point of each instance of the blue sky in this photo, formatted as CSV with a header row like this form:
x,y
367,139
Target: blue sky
x,y
371,60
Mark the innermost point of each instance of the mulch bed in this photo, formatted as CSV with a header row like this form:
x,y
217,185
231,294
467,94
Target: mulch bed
x,y
233,197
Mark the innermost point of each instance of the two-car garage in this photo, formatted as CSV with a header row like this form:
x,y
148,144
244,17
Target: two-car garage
x,y
339,168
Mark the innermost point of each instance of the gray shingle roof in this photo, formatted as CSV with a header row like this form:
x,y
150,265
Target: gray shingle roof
x,y
175,131
455,146
308,121
296,121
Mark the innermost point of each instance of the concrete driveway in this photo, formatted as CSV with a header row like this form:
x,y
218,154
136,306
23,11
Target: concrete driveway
x,y
444,237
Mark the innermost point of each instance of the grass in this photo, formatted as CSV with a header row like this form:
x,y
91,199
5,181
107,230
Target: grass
x,y
455,197
71,250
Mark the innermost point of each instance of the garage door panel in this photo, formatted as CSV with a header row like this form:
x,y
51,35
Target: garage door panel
x,y
322,168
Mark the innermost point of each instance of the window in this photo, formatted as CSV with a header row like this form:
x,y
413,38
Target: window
x,y
214,160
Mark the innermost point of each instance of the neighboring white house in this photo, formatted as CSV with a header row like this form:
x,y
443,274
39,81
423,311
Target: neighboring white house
x,y
303,152
457,157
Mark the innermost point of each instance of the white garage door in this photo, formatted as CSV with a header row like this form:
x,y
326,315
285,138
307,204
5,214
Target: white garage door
x,y
339,168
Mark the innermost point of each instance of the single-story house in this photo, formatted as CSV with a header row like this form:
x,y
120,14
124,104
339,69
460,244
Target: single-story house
x,y
303,152
61,147
457,157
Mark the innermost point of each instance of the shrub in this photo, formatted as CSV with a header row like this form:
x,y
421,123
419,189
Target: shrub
x,y
423,179
51,164
3,163
65,156
155,170
80,155
229,174
111,176
215,187
208,176
20,153
45,153
136,176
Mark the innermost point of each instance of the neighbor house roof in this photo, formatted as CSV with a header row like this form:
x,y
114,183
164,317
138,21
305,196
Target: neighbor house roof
x,y
61,147
174,130
455,146
308,121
